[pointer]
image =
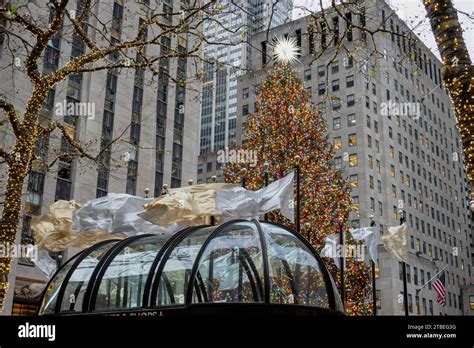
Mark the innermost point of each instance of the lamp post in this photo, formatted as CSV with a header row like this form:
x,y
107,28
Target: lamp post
x,y
404,270
298,200
243,172
213,219
374,289
343,254
265,182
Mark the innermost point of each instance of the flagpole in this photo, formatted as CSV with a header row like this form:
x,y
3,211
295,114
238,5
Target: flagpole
x,y
404,270
374,289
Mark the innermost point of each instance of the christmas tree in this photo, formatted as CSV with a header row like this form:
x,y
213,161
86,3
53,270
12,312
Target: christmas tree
x,y
286,130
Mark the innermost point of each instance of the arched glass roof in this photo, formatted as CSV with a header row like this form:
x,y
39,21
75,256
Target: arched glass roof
x,y
240,261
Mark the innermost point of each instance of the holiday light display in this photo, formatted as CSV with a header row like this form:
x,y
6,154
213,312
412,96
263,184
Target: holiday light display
x,y
457,73
286,129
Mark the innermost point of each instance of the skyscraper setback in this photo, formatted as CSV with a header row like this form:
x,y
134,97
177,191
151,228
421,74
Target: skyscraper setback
x,y
229,60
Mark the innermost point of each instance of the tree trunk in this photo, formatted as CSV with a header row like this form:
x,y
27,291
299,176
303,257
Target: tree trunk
x,y
457,73
18,170
10,222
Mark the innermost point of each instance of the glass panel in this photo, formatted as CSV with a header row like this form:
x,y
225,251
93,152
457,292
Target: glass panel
x,y
295,275
51,295
177,270
77,284
123,283
231,267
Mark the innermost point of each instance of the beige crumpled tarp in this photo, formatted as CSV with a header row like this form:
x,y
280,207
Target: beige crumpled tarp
x,y
395,241
53,231
186,206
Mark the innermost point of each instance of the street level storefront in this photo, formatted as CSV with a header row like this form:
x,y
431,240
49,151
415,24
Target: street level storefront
x,y
237,268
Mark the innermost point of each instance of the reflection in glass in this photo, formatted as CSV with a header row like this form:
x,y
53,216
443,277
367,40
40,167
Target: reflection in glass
x,y
295,276
123,283
77,284
231,267
177,269
51,295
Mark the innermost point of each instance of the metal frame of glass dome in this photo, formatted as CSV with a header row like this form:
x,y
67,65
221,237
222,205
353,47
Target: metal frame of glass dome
x,y
196,291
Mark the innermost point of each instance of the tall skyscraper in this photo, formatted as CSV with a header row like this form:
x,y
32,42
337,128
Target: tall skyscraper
x,y
229,61
396,140
145,128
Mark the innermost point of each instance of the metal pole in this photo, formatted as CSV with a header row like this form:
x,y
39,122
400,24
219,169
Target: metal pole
x,y
405,288
243,172
265,183
430,280
298,200
404,270
343,252
374,288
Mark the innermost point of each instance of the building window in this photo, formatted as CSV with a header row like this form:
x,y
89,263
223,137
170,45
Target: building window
x,y
350,100
336,123
209,167
355,205
335,85
353,160
23,309
337,163
354,180
335,67
371,182
351,120
372,204
337,143
350,81
245,93
352,139
336,103
321,89
245,110
307,75
321,70
471,302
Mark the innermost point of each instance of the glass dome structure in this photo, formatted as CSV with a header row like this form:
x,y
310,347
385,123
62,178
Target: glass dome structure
x,y
239,265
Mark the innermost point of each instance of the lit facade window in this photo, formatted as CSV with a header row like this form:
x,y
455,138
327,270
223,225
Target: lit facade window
x,y
354,180
337,143
352,139
353,160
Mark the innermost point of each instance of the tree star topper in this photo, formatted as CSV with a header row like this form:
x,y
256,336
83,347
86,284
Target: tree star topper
x,y
285,50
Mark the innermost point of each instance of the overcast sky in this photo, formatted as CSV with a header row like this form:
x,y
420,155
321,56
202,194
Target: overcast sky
x,y
414,14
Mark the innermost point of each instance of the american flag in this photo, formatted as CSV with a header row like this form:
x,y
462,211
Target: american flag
x,y
438,285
